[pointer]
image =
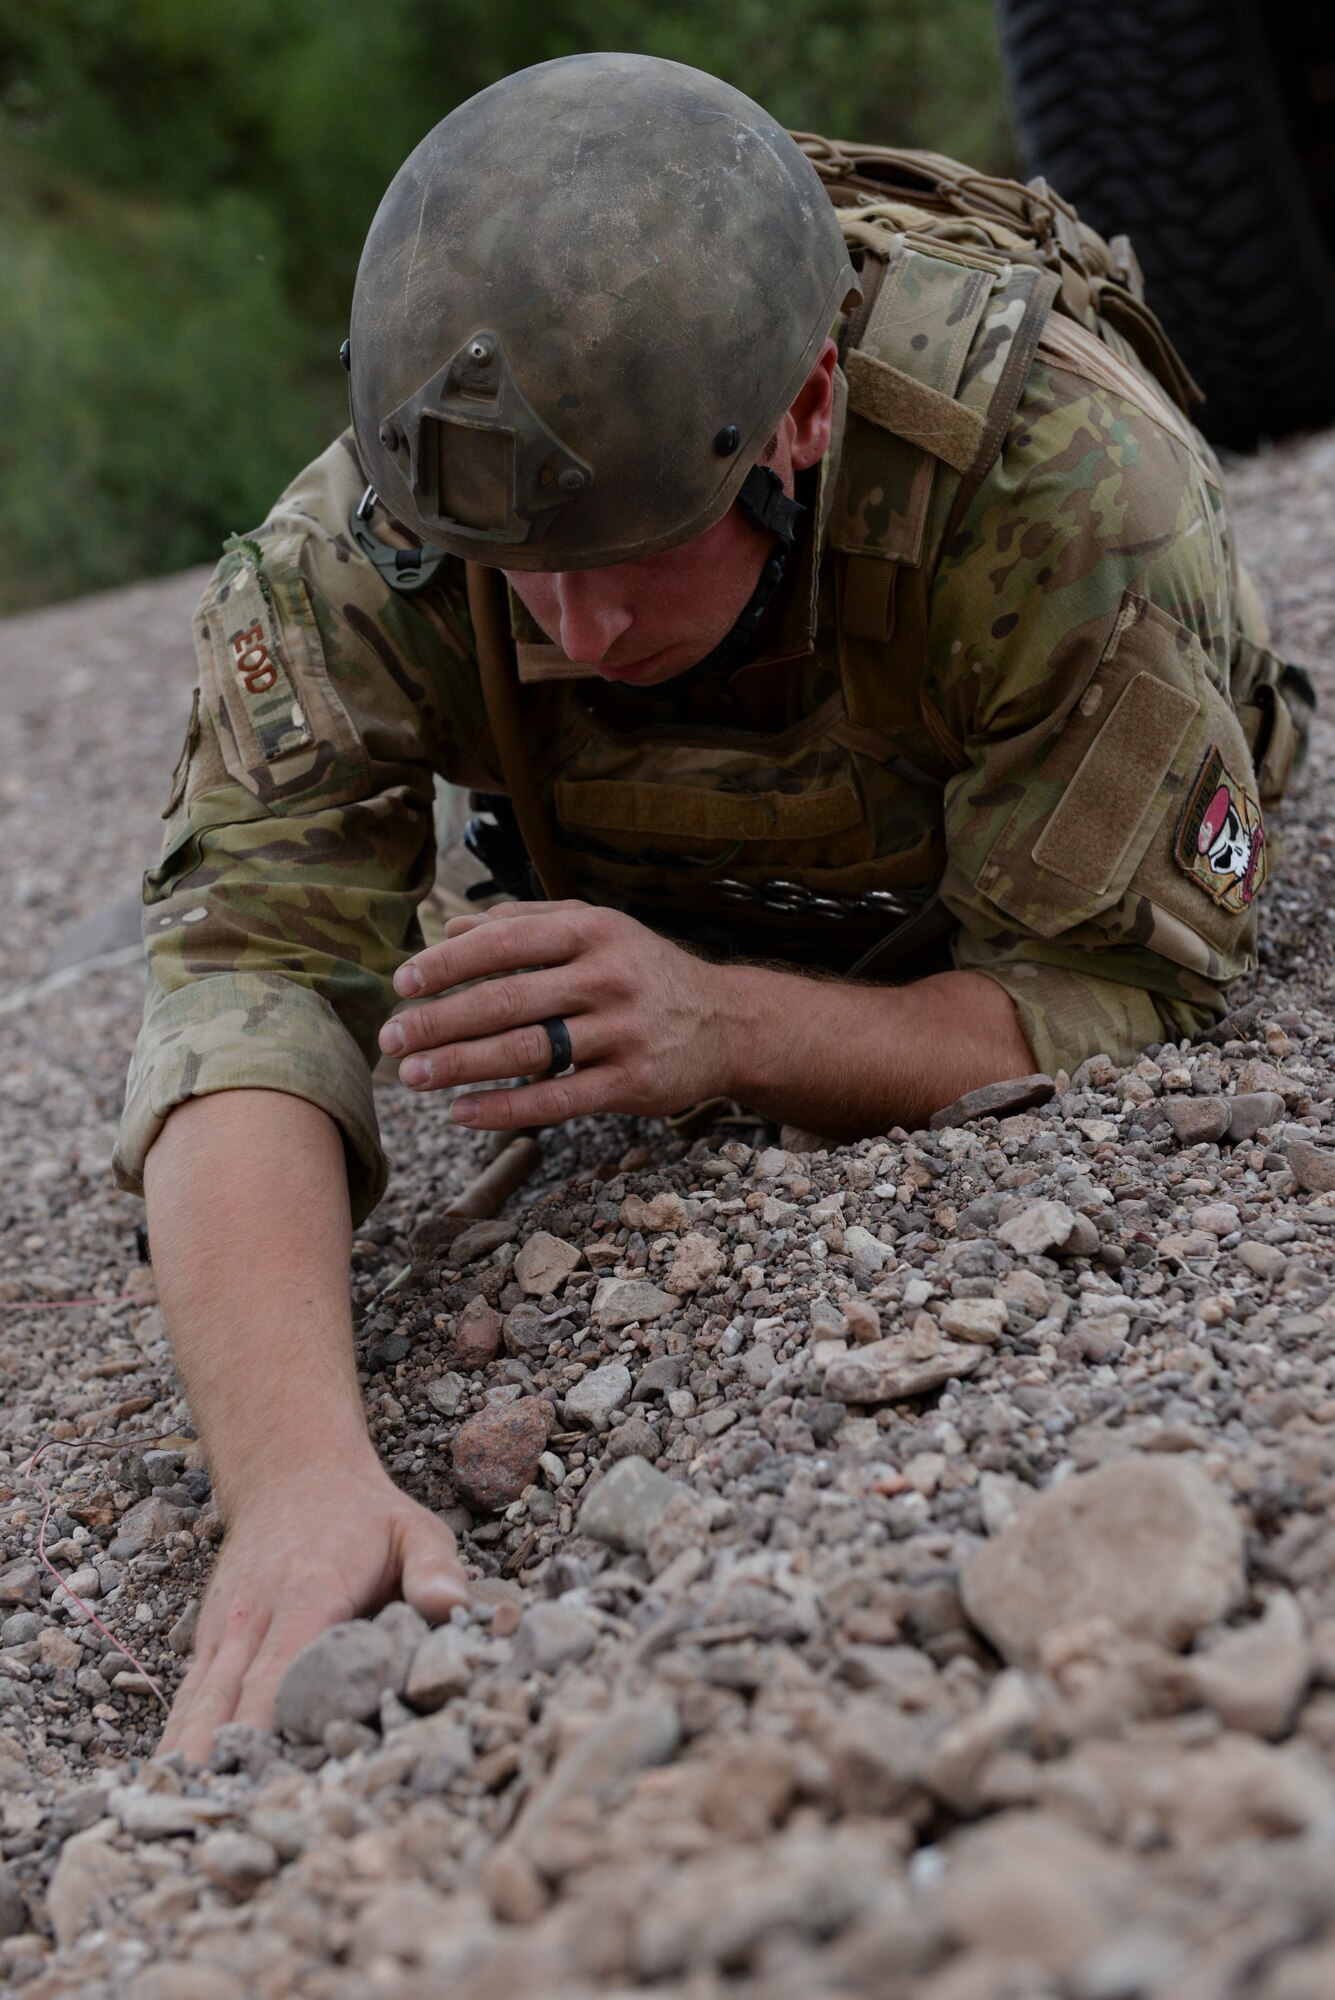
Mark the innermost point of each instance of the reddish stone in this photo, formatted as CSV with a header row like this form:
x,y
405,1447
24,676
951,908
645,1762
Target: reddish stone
x,y
477,1335
496,1452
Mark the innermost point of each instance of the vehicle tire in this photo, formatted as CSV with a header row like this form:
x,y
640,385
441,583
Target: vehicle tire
x,y
1203,129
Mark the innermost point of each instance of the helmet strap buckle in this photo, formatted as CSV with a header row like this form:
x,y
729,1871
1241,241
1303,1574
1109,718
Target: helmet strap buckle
x,y
762,497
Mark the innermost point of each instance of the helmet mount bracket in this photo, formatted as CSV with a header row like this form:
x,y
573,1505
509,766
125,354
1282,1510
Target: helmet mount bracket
x,y
480,462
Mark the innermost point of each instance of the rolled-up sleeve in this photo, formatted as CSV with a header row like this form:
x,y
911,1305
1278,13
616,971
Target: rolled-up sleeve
x,y
1068,1015
249,1031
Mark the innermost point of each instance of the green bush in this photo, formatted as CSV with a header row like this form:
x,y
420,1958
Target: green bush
x,y
184,189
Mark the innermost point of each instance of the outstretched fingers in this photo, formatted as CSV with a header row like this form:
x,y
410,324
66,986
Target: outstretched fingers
x,y
493,945
209,1694
497,1007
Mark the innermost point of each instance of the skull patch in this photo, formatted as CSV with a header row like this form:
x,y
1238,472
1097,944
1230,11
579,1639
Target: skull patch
x,y
1221,837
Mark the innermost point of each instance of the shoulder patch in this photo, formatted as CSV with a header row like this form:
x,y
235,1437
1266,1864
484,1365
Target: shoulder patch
x,y
283,730
250,660
1220,840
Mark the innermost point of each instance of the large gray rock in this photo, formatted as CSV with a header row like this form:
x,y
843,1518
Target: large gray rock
x,y
446,1393
1148,1543
658,1376
405,1629
341,1675
625,1301
901,1366
1253,1111
626,1504
865,1252
1041,1228
592,1400
444,1665
1313,1167
544,1263
549,1635
529,1333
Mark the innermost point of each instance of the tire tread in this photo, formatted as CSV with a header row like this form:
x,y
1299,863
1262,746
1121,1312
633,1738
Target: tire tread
x,y
1147,116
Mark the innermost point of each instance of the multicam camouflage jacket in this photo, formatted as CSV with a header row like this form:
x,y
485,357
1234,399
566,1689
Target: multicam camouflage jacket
x,y
1053,763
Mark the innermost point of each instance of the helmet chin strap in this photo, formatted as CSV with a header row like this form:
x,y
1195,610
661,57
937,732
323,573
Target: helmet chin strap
x,y
762,498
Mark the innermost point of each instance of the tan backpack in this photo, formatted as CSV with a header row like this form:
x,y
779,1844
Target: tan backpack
x,y
1098,283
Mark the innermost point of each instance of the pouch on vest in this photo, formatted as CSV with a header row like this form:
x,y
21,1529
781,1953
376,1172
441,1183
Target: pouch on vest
x,y
1100,818
1275,701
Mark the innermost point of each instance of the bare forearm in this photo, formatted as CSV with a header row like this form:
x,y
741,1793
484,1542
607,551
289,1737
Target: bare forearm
x,y
848,1060
250,1234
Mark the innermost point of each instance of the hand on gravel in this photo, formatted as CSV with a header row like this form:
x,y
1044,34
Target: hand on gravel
x,y
320,1546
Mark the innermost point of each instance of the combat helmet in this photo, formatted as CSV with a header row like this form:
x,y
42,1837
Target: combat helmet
x,y
584,304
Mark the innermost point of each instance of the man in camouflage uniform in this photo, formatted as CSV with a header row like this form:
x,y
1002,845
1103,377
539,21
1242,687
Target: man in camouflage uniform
x,y
880,712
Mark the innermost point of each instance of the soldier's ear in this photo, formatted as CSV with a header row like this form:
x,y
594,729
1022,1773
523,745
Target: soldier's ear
x,y
811,412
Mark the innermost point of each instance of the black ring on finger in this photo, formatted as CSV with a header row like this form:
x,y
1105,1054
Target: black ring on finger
x,y
559,1036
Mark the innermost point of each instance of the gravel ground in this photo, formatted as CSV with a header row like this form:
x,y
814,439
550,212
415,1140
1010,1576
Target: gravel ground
x,y
903,1571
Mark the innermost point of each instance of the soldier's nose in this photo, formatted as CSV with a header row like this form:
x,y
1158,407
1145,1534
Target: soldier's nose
x,y
591,619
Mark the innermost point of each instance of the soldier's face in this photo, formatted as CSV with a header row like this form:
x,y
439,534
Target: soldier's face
x,y
645,622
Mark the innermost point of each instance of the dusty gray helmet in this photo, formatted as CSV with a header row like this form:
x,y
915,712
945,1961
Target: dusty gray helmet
x,y
584,304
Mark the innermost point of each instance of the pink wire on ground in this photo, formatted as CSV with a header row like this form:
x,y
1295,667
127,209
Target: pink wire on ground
x,y
91,1444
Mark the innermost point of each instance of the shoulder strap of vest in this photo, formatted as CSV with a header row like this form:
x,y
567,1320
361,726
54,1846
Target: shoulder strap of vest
x,y
934,378
488,608
1100,282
